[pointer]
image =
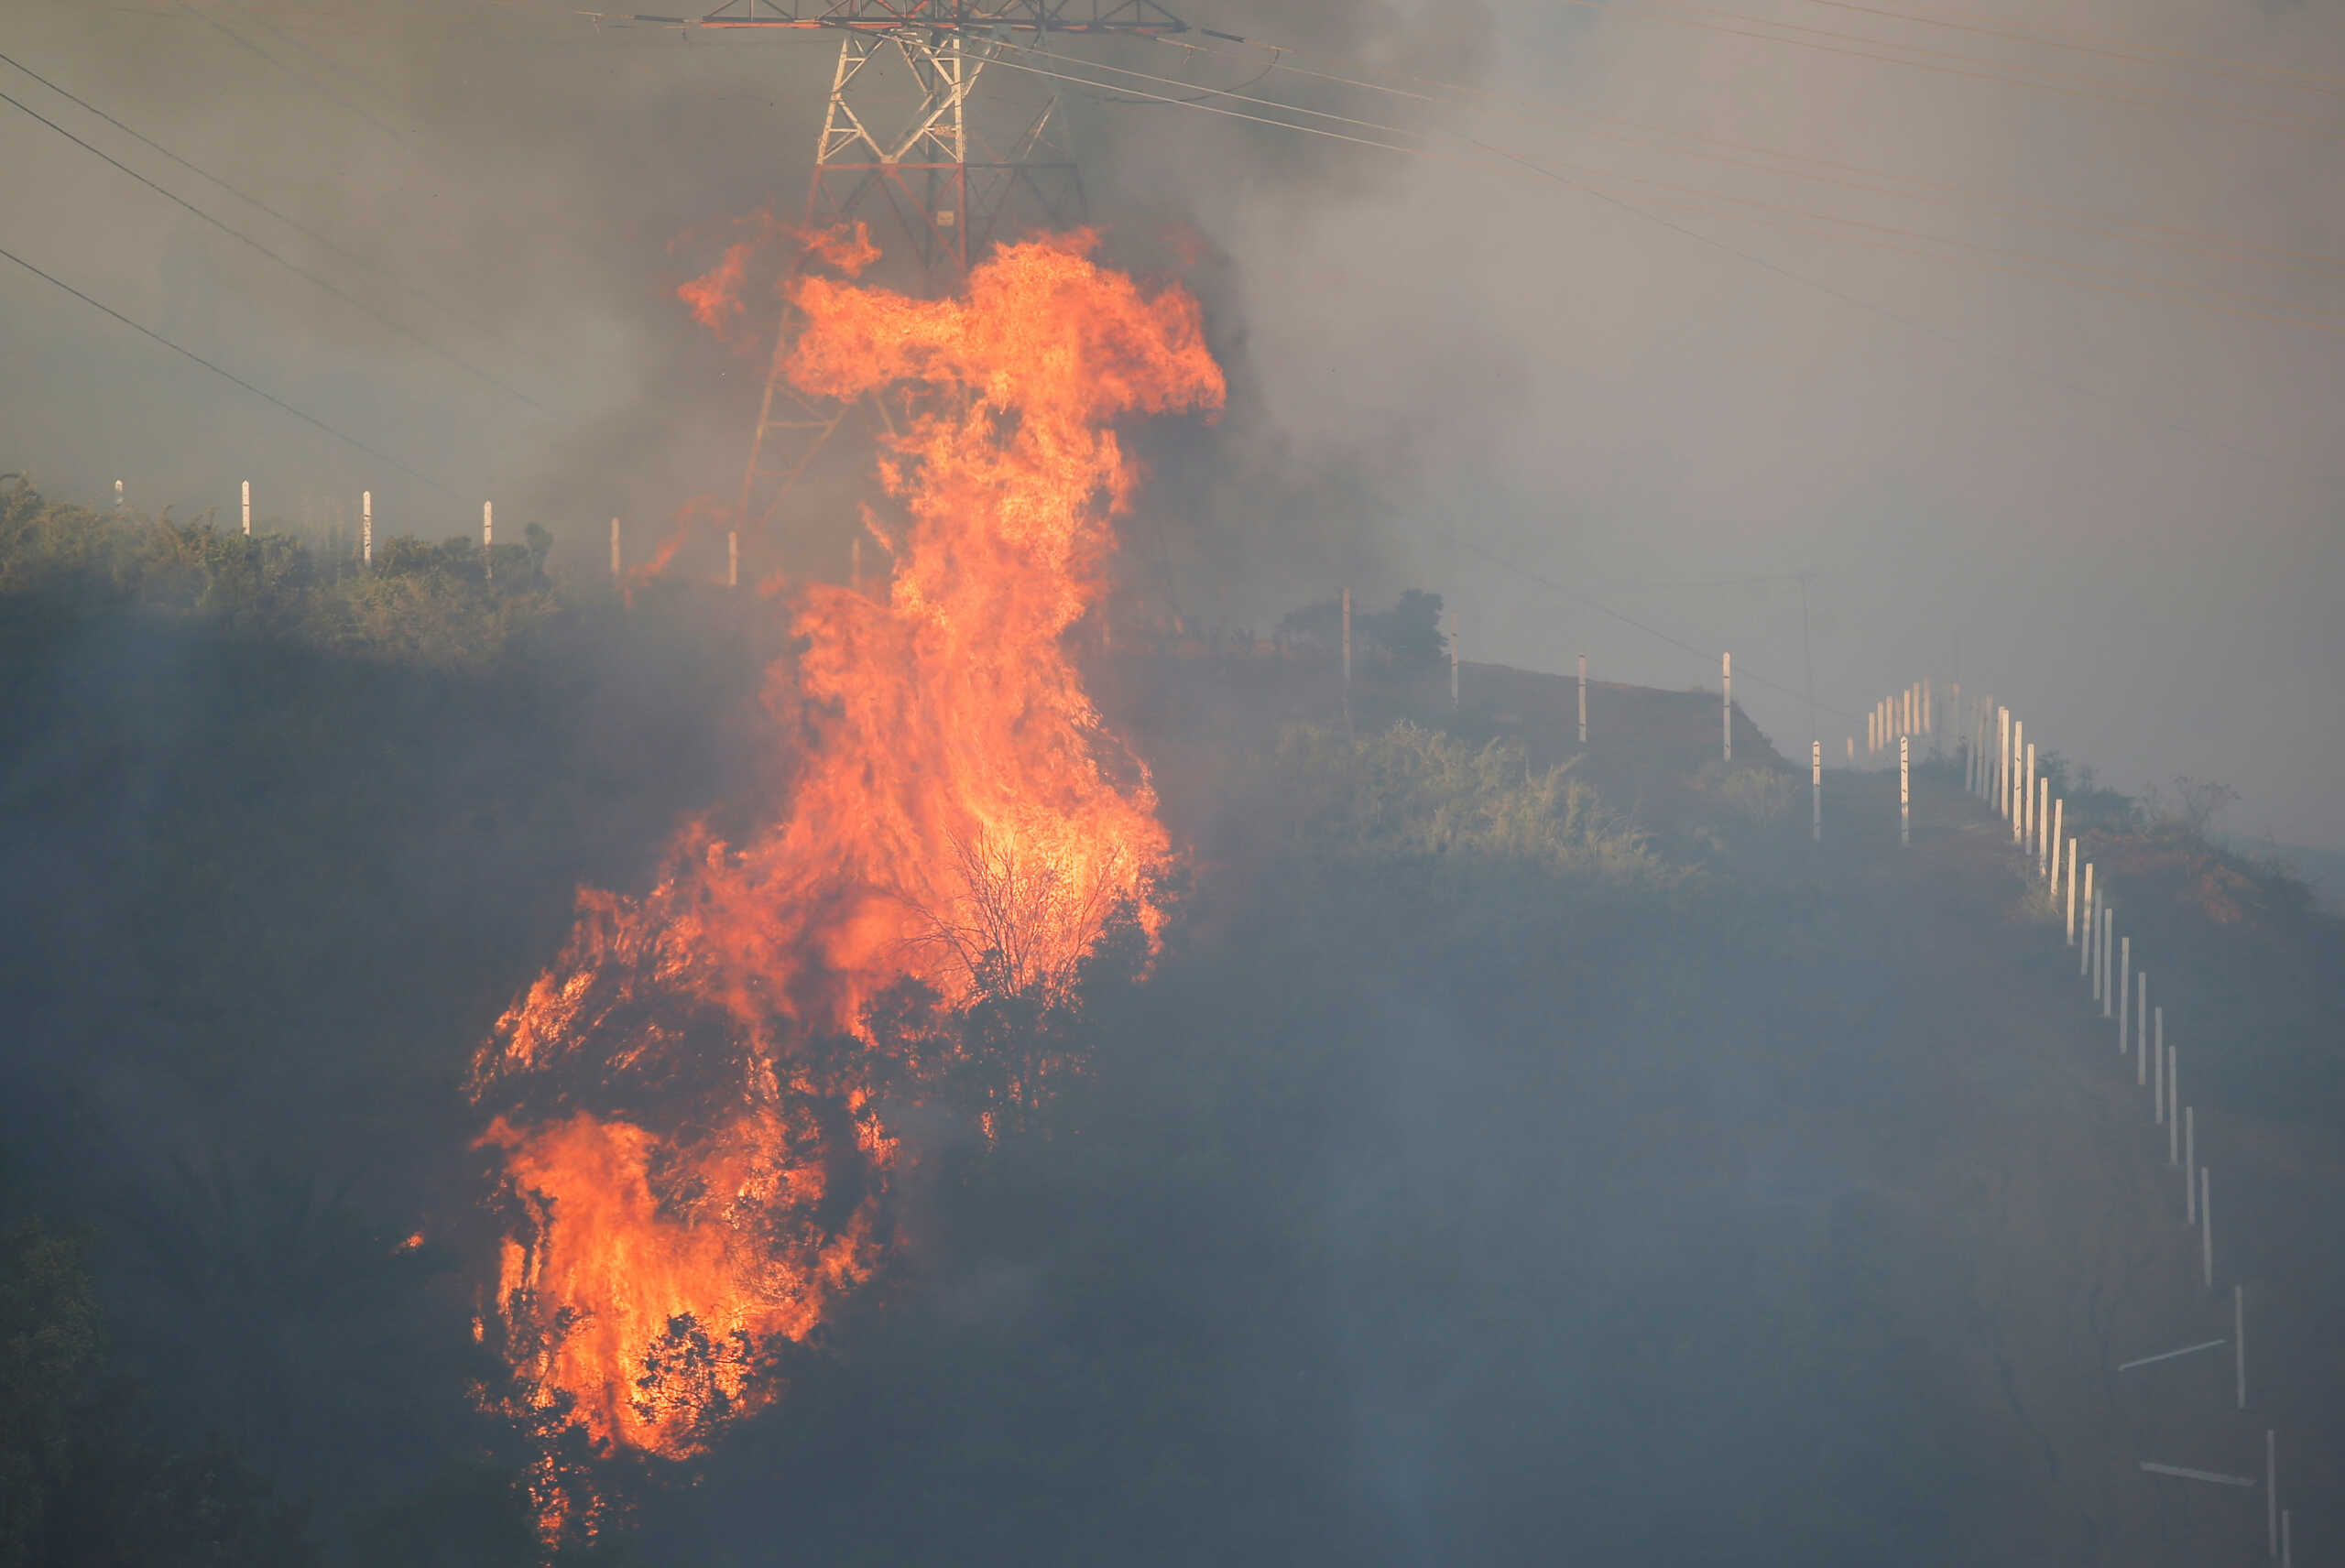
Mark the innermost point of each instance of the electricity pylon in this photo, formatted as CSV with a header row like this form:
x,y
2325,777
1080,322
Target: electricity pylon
x,y
935,193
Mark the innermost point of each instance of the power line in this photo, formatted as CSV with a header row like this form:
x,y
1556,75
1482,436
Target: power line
x,y
1910,323
2083,219
2309,81
1526,574
1736,252
1999,258
2090,87
332,65
294,268
337,99
255,202
1946,340
2226,111
267,397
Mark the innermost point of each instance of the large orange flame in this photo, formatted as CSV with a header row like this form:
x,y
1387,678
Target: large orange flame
x,y
690,1177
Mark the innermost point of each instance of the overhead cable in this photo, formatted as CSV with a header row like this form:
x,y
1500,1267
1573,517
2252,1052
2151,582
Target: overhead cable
x,y
1712,241
1517,569
292,266
339,99
255,202
2088,88
2311,82
2079,87
2082,219
230,375
2001,258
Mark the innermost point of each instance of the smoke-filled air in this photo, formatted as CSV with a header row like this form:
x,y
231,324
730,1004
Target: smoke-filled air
x,y
998,782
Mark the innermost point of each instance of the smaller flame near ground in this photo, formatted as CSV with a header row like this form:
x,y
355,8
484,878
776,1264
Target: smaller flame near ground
x,y
691,1136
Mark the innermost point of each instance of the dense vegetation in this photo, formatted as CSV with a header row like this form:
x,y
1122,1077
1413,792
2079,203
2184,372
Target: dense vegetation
x,y
284,835
1400,1209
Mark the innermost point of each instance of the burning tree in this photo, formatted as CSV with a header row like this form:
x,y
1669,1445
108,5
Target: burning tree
x,y
691,1171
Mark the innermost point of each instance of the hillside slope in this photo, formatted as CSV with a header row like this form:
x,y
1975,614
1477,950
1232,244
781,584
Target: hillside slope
x,y
1511,1152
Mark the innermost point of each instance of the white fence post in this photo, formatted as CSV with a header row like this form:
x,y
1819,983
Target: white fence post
x,y
2173,1106
2206,1227
2091,940
2141,1028
2071,938
1905,811
2022,780
248,509
2157,1072
2100,946
2027,800
2272,1492
2190,1163
2039,817
366,527
2109,957
2003,761
488,537
2124,988
2004,765
2239,1340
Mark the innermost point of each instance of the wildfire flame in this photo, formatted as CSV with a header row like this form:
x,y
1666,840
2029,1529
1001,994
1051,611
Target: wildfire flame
x,y
691,1134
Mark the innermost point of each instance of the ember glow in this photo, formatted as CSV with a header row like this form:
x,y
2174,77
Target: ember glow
x,y
690,1125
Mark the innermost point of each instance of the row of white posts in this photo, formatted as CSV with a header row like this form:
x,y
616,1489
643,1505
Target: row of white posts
x,y
732,565
2007,779
1894,719
1726,685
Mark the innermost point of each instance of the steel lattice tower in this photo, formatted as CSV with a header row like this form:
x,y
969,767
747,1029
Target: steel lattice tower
x,y
935,193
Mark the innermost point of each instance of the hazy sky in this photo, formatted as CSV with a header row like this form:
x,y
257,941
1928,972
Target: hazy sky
x,y
2100,448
